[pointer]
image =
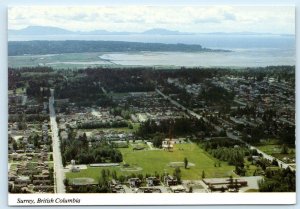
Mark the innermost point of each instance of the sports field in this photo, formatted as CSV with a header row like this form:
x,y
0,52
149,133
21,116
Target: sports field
x,y
150,161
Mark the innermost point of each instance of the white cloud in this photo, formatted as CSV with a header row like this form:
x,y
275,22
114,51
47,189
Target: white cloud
x,y
139,18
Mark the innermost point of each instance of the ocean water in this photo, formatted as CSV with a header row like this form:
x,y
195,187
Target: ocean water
x,y
247,50
238,58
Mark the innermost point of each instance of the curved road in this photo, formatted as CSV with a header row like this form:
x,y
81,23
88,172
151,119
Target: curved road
x,y
59,174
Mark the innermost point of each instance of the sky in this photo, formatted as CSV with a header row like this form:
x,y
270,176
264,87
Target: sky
x,y
196,19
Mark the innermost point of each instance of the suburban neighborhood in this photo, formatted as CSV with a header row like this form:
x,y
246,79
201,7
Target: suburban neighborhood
x,y
151,131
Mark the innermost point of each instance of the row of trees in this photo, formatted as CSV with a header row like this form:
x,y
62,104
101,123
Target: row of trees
x,y
79,46
220,142
216,95
234,156
91,155
178,126
285,133
230,151
80,151
100,124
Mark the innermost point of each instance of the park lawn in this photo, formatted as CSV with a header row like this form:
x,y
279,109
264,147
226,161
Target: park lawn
x,y
250,169
283,156
275,151
152,161
136,144
158,160
270,148
269,141
90,172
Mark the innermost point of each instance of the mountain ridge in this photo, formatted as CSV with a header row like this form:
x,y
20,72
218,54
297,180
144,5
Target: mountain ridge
x,y
50,30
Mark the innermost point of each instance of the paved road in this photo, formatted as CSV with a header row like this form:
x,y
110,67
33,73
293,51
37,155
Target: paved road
x,y
59,174
181,106
192,113
229,134
265,155
252,182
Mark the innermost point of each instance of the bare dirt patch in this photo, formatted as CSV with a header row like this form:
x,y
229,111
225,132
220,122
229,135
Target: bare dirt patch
x,y
179,164
132,169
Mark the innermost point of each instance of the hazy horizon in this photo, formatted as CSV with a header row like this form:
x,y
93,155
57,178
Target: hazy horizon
x,y
196,19
148,30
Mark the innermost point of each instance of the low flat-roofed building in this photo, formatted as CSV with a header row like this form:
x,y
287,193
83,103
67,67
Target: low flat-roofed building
x,y
177,189
134,182
152,181
170,180
221,184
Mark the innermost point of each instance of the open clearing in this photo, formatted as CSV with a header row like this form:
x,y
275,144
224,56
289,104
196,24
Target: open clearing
x,y
82,181
275,151
151,161
64,60
180,164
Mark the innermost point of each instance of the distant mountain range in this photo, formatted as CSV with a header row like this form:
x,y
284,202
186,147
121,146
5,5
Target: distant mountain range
x,y
161,31
40,30
48,30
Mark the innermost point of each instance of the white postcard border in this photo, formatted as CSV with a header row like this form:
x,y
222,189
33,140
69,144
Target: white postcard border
x,y
138,199
153,199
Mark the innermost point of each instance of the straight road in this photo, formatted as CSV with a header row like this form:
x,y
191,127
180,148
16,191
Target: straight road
x,y
180,106
229,134
59,174
265,155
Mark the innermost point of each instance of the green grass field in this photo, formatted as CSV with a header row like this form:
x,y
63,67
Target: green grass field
x,y
275,151
250,169
270,148
158,160
71,61
66,60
